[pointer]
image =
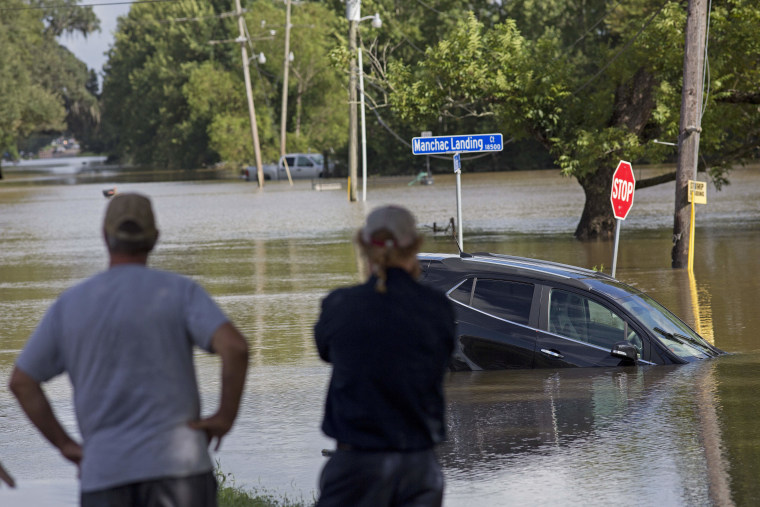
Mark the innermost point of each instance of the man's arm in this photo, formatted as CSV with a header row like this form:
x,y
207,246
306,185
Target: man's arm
x,y
35,404
233,350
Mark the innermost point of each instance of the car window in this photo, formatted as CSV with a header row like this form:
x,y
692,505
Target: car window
x,y
589,321
669,329
291,161
500,298
505,299
305,162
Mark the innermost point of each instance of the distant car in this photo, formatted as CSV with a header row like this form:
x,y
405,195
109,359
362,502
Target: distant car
x,y
301,165
515,312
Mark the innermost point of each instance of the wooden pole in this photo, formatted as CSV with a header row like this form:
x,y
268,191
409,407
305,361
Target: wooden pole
x,y
249,93
284,111
690,127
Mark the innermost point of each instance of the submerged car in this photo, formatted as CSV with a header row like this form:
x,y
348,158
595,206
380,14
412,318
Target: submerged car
x,y
515,312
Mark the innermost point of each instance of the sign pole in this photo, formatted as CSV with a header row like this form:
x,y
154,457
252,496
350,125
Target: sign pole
x,y
458,172
428,145
697,195
621,198
617,240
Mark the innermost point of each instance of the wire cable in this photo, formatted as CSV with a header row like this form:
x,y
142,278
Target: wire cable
x,y
77,6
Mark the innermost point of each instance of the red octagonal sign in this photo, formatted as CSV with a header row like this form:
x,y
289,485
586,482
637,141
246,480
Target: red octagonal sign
x,y
623,185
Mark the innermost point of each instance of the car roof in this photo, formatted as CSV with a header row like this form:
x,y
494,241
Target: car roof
x,y
488,263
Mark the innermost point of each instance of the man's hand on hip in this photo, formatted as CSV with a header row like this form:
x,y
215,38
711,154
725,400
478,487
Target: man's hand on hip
x,y
232,347
215,427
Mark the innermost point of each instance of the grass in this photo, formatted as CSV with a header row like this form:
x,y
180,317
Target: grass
x,y
230,495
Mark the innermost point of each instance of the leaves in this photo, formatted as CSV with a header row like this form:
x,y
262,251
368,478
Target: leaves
x,y
41,82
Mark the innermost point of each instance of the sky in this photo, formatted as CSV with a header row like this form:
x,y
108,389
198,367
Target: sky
x,y
91,50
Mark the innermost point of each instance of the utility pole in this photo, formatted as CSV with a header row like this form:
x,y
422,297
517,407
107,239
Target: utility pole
x,y
353,128
284,111
251,109
690,126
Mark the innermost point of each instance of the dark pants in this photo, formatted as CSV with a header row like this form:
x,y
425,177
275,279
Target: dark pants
x,y
194,491
375,479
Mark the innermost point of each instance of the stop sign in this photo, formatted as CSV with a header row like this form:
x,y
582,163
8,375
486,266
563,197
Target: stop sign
x,y
623,185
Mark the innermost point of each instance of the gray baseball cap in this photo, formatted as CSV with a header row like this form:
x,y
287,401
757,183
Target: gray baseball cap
x,y
398,221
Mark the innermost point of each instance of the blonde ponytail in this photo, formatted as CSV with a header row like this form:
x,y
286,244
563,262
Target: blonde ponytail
x,y
382,253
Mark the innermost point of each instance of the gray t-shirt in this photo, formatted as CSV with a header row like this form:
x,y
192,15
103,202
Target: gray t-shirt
x,y
126,338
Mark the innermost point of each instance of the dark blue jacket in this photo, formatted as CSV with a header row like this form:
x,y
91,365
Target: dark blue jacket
x,y
389,354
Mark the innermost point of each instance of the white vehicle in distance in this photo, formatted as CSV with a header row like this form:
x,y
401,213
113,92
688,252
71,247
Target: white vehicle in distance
x,y
301,165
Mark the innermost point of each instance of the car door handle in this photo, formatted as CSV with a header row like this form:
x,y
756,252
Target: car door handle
x,y
552,353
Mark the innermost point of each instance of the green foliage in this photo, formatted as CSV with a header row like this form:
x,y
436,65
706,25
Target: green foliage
x,y
145,110
41,83
230,495
593,82
173,99
64,16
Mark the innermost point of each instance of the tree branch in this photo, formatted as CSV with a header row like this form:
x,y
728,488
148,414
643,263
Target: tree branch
x,y
739,97
656,180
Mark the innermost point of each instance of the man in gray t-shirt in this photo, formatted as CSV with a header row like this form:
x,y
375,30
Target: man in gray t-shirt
x,y
126,337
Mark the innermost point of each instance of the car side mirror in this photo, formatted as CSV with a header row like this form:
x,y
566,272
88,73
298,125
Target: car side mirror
x,y
625,351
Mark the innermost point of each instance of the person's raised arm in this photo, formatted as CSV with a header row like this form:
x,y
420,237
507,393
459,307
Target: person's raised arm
x,y
35,404
232,347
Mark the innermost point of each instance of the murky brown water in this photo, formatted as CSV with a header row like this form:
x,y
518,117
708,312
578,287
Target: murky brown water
x,y
660,435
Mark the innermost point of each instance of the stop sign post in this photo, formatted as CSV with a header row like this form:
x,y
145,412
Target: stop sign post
x,y
621,197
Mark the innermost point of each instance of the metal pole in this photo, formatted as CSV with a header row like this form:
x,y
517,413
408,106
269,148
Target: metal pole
x,y
249,93
284,111
691,234
353,140
617,240
458,172
364,125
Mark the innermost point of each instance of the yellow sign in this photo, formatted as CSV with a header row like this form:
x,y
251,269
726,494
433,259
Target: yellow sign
x,y
698,192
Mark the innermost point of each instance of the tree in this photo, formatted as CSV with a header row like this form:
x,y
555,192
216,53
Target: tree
x,y
316,116
42,85
590,100
145,113
29,99
408,28
173,99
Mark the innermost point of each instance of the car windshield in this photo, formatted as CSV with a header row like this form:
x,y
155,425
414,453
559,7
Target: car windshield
x,y
669,329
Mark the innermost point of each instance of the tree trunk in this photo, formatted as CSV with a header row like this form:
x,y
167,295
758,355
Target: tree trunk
x,y
597,220
633,106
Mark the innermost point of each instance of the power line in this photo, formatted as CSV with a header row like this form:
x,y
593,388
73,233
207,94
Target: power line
x,y
75,6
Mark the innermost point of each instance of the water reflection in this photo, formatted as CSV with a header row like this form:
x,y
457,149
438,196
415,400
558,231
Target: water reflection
x,y
636,436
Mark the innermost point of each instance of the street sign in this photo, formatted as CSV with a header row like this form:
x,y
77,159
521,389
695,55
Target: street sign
x,y
457,144
623,186
428,145
698,192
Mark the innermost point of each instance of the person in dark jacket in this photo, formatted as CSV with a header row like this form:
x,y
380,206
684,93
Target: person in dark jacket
x,y
389,341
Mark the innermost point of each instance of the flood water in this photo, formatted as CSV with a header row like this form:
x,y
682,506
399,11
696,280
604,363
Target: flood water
x,y
683,435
